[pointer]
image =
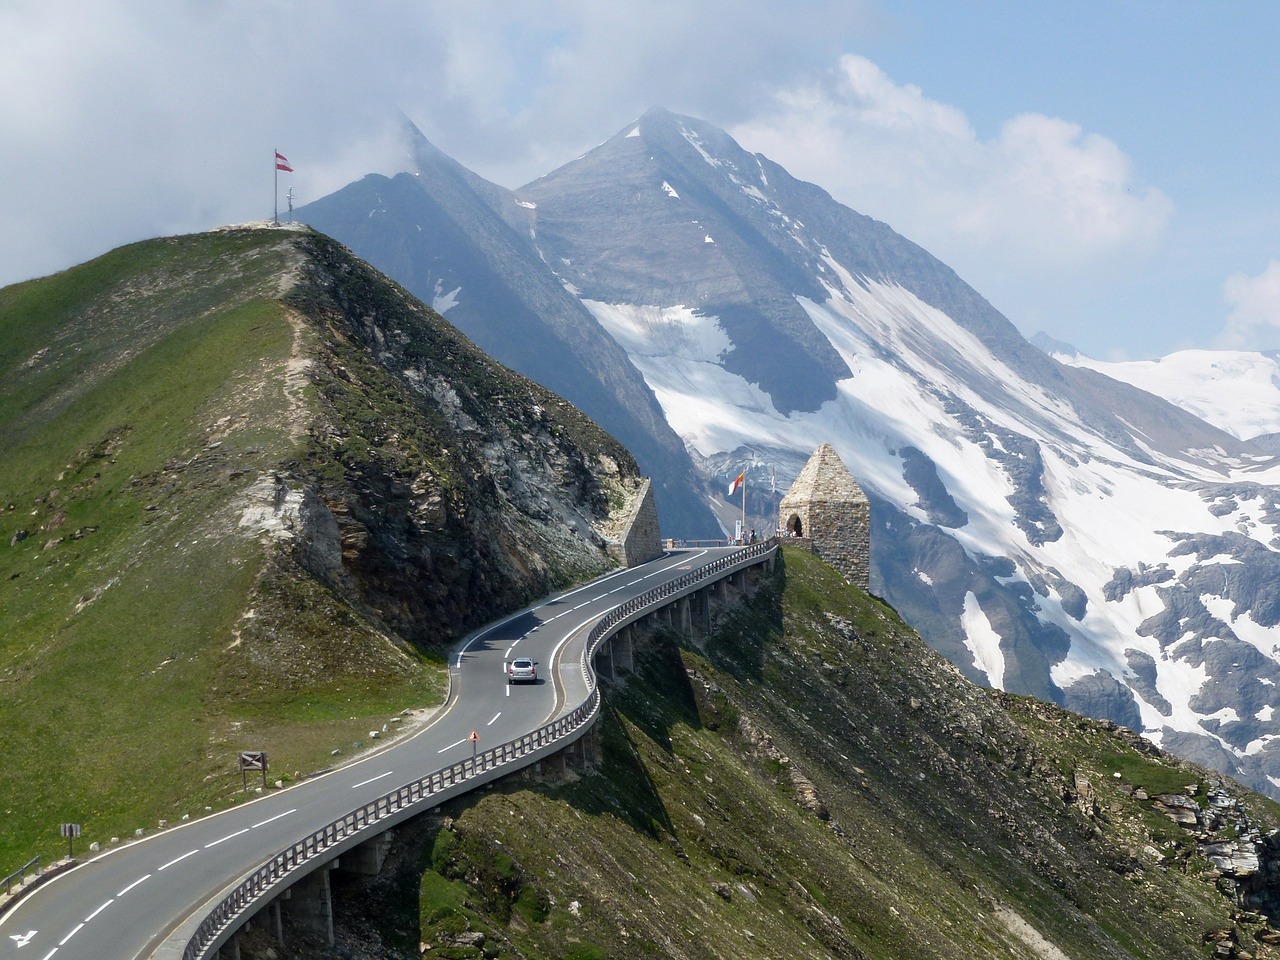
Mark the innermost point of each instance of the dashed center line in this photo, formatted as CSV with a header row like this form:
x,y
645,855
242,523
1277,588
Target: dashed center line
x,y
371,779
495,717
452,745
273,819
63,941
100,909
145,876
229,836
190,853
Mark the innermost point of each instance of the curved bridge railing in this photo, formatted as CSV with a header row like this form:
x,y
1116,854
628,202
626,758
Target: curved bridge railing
x,y
543,741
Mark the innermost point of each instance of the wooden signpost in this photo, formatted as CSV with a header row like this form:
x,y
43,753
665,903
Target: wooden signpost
x,y
252,760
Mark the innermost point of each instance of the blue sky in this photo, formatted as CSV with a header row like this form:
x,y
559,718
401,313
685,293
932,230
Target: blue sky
x,y
1185,89
1106,172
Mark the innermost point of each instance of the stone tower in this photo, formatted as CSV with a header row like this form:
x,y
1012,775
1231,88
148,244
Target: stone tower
x,y
827,509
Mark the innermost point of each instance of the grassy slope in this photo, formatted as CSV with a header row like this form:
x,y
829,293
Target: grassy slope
x,y
814,782
140,395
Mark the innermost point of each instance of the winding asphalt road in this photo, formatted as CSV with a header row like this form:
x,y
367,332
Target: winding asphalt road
x,y
126,902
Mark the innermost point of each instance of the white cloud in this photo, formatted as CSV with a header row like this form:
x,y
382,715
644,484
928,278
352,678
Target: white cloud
x,y
1042,195
1254,321
129,120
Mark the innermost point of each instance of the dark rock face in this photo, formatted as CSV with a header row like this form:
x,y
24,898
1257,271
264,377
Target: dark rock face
x,y
904,548
1103,696
440,486
922,474
1143,681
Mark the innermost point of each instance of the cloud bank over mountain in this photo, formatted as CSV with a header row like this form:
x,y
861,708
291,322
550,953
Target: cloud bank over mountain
x,y
1104,199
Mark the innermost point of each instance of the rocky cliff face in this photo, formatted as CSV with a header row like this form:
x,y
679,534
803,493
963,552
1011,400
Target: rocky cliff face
x,y
439,487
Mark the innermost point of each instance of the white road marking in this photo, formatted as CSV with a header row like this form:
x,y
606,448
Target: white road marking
x,y
100,910
190,853
452,745
50,953
273,819
495,717
23,938
145,876
371,779
63,941
229,836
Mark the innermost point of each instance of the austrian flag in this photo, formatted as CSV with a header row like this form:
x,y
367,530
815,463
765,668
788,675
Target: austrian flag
x,y
282,162
737,482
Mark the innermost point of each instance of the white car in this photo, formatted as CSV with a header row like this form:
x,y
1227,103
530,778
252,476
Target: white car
x,y
522,670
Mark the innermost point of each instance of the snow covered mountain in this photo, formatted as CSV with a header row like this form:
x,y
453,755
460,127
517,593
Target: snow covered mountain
x,y
1236,390
1053,531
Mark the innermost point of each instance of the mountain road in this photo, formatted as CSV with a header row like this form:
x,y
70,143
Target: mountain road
x,y
127,902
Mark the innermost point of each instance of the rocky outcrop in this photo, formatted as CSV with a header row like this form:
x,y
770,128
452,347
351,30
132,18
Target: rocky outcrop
x,y
437,486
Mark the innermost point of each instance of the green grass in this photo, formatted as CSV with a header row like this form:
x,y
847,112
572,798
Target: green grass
x,y
124,583
147,400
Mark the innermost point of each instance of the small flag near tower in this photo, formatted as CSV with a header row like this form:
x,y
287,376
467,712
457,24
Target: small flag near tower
x,y
282,163
737,482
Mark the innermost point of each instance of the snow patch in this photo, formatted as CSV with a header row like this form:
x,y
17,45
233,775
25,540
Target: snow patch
x,y
440,301
1236,391
670,190
982,640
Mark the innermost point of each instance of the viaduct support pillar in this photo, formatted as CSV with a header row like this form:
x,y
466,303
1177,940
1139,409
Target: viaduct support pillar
x,y
702,610
625,650
684,622
311,902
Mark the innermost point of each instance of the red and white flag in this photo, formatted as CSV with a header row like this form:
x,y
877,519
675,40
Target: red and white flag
x,y
282,162
737,482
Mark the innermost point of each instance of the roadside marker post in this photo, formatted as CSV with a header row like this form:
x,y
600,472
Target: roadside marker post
x,y
70,831
475,739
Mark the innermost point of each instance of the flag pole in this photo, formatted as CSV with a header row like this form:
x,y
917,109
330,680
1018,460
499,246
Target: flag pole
x,y
744,506
275,163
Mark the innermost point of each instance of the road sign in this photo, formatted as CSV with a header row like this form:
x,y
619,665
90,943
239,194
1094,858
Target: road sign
x,y
70,831
475,739
252,760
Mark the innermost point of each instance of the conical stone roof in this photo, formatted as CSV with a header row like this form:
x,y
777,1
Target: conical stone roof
x,y
824,479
